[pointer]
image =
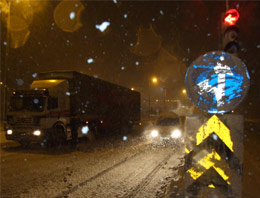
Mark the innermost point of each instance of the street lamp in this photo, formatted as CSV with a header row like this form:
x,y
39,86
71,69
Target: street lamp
x,y
154,80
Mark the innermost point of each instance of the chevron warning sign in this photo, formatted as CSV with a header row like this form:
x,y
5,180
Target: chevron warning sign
x,y
213,160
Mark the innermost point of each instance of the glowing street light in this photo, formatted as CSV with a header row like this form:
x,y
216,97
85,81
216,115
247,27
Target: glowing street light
x,y
184,91
154,80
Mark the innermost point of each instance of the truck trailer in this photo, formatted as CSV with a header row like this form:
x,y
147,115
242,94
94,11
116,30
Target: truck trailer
x,y
62,103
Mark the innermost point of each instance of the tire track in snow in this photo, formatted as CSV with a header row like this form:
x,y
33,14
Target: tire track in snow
x,y
148,178
77,187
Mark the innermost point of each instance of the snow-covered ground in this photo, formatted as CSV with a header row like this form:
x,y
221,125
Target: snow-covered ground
x,y
114,168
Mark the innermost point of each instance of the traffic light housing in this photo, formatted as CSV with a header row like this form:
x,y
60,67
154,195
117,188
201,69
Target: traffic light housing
x,y
230,31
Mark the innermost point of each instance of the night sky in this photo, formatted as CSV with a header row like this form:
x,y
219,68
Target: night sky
x,y
143,39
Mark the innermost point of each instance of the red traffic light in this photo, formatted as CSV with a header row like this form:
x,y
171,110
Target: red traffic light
x,y
231,17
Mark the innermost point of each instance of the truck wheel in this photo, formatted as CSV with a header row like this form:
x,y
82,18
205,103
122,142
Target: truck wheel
x,y
25,143
59,137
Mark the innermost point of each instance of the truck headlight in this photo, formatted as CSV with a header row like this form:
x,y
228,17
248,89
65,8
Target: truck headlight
x,y
176,133
37,133
155,133
84,129
9,132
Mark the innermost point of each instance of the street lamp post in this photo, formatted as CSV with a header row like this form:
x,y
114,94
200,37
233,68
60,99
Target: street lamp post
x,y
164,97
5,65
154,81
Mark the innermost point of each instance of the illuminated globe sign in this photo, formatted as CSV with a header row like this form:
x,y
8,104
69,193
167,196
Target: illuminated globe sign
x,y
217,82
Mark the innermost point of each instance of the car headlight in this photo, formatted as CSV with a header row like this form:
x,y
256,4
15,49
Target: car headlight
x,y
9,132
84,129
37,133
176,133
155,133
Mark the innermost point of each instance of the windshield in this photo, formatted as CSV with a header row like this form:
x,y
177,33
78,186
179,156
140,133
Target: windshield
x,y
168,121
27,103
130,98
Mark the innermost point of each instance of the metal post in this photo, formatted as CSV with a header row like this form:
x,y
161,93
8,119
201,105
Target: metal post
x,y
226,5
149,99
5,64
164,98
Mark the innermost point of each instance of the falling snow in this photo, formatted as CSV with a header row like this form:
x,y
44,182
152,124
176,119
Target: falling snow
x,y
103,26
72,15
19,81
215,137
90,60
36,101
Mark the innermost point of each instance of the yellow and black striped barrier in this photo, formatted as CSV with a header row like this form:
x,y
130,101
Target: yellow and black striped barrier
x,y
214,156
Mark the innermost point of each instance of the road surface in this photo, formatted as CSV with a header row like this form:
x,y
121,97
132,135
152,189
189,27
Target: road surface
x,y
115,168
112,168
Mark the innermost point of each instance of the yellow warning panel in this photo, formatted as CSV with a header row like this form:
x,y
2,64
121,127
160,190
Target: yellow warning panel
x,y
211,186
207,162
214,125
213,155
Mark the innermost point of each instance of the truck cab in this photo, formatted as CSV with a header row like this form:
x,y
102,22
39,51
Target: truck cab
x,y
33,114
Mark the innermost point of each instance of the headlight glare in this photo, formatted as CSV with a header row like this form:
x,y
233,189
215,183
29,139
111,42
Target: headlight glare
x,y
9,132
176,133
84,129
37,133
155,133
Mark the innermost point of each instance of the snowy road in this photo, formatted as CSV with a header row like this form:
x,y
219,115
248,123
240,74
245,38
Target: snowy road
x,y
133,168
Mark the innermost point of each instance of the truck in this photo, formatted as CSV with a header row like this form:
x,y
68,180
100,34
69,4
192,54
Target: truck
x,y
64,105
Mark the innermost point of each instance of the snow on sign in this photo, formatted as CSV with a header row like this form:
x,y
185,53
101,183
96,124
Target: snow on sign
x,y
217,82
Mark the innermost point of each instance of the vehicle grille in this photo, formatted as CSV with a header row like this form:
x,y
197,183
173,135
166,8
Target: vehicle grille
x,y
22,120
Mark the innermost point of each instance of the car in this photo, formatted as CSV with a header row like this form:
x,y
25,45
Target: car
x,y
167,128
